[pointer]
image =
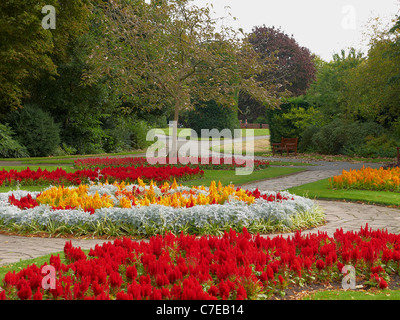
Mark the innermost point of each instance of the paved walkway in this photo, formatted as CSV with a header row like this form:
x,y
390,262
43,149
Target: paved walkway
x,y
349,216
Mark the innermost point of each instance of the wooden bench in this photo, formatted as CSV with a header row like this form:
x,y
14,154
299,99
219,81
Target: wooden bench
x,y
286,144
398,154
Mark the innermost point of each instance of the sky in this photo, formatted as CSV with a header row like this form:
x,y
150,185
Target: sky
x,y
323,26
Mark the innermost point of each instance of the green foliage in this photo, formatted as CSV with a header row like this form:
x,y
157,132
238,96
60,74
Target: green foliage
x,y
211,115
371,90
381,146
128,133
293,117
328,91
139,132
10,148
305,139
80,109
359,97
343,137
27,50
36,130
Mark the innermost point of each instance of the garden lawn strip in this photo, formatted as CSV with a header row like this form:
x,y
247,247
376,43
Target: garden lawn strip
x,y
321,190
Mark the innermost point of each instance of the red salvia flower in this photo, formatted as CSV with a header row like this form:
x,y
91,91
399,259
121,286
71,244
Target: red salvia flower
x,y
320,264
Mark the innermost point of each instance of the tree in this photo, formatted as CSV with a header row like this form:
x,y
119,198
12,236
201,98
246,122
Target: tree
x,y
295,66
328,92
79,109
171,53
395,30
293,72
27,50
371,92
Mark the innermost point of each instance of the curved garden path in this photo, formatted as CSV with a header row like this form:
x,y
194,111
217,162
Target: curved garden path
x,y
349,216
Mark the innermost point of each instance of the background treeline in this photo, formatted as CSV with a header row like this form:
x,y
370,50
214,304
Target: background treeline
x,y
100,80
46,106
77,90
352,107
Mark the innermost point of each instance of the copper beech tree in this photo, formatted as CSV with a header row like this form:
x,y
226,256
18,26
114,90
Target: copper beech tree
x,y
172,53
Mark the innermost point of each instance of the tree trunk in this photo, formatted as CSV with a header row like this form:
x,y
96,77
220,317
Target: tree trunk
x,y
174,150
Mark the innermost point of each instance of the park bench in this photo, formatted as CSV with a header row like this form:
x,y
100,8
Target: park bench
x,y
286,144
398,154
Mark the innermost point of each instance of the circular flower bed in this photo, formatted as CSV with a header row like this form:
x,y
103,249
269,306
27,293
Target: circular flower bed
x,y
140,209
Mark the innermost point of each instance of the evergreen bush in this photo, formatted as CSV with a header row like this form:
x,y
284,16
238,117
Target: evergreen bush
x,y
10,148
35,129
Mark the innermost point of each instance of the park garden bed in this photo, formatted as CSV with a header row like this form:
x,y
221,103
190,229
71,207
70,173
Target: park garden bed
x,y
146,210
235,266
28,177
368,179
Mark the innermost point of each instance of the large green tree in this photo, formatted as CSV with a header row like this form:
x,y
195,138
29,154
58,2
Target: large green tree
x,y
172,53
27,50
371,93
328,92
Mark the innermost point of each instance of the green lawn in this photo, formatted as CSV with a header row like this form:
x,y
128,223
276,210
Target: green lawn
x,y
320,190
355,295
227,176
186,131
56,159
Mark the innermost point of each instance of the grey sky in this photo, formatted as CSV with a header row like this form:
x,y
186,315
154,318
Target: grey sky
x,y
323,26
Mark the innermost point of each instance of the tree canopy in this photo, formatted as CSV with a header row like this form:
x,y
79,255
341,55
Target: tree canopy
x,y
27,50
172,53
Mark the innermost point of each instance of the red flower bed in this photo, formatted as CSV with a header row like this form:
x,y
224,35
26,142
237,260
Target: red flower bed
x,y
234,266
127,174
203,163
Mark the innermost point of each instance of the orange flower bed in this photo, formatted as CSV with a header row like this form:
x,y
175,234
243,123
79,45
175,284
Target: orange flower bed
x,y
368,179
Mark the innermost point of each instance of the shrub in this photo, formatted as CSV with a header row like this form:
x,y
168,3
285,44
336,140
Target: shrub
x,y
305,141
210,115
382,146
343,137
10,148
139,132
125,134
36,130
292,118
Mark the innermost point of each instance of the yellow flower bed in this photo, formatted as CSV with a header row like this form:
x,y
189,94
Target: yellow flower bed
x,y
368,179
128,196
74,197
